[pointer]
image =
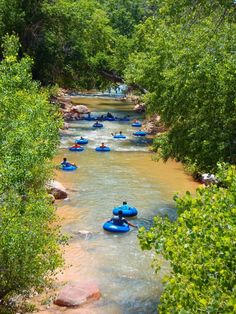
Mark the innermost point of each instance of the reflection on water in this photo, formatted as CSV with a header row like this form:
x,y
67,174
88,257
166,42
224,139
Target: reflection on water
x,y
104,180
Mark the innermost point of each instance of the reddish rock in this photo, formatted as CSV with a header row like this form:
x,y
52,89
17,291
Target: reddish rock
x,y
80,109
78,293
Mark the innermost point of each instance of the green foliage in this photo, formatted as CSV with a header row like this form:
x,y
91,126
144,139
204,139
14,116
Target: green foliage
x,y
185,58
74,43
201,248
29,125
76,35
125,15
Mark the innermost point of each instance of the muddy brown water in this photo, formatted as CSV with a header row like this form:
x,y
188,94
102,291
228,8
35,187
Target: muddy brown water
x,y
103,180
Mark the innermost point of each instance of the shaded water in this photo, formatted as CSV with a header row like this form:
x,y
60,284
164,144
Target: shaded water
x,y
123,273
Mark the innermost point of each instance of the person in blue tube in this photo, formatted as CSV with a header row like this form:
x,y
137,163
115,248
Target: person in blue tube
x,y
120,220
96,122
66,163
102,145
125,205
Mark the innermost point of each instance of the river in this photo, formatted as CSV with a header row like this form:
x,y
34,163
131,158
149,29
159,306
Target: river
x,y
104,180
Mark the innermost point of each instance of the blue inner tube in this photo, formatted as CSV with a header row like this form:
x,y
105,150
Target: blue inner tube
x,y
140,133
76,149
119,136
111,227
68,167
100,149
81,142
127,211
137,124
98,125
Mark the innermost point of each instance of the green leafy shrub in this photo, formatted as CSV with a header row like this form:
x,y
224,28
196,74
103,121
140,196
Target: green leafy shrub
x,y
29,236
200,246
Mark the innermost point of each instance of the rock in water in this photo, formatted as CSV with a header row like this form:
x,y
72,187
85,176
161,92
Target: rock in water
x,y
56,189
80,109
78,293
84,234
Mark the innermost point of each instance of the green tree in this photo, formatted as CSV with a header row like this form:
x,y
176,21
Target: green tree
x,y
125,15
29,236
186,61
74,43
77,39
201,248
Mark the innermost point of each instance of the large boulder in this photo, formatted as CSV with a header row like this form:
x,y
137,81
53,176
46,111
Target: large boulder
x,y
76,294
74,112
56,189
80,109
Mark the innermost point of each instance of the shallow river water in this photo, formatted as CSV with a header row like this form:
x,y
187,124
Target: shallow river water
x,y
104,180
